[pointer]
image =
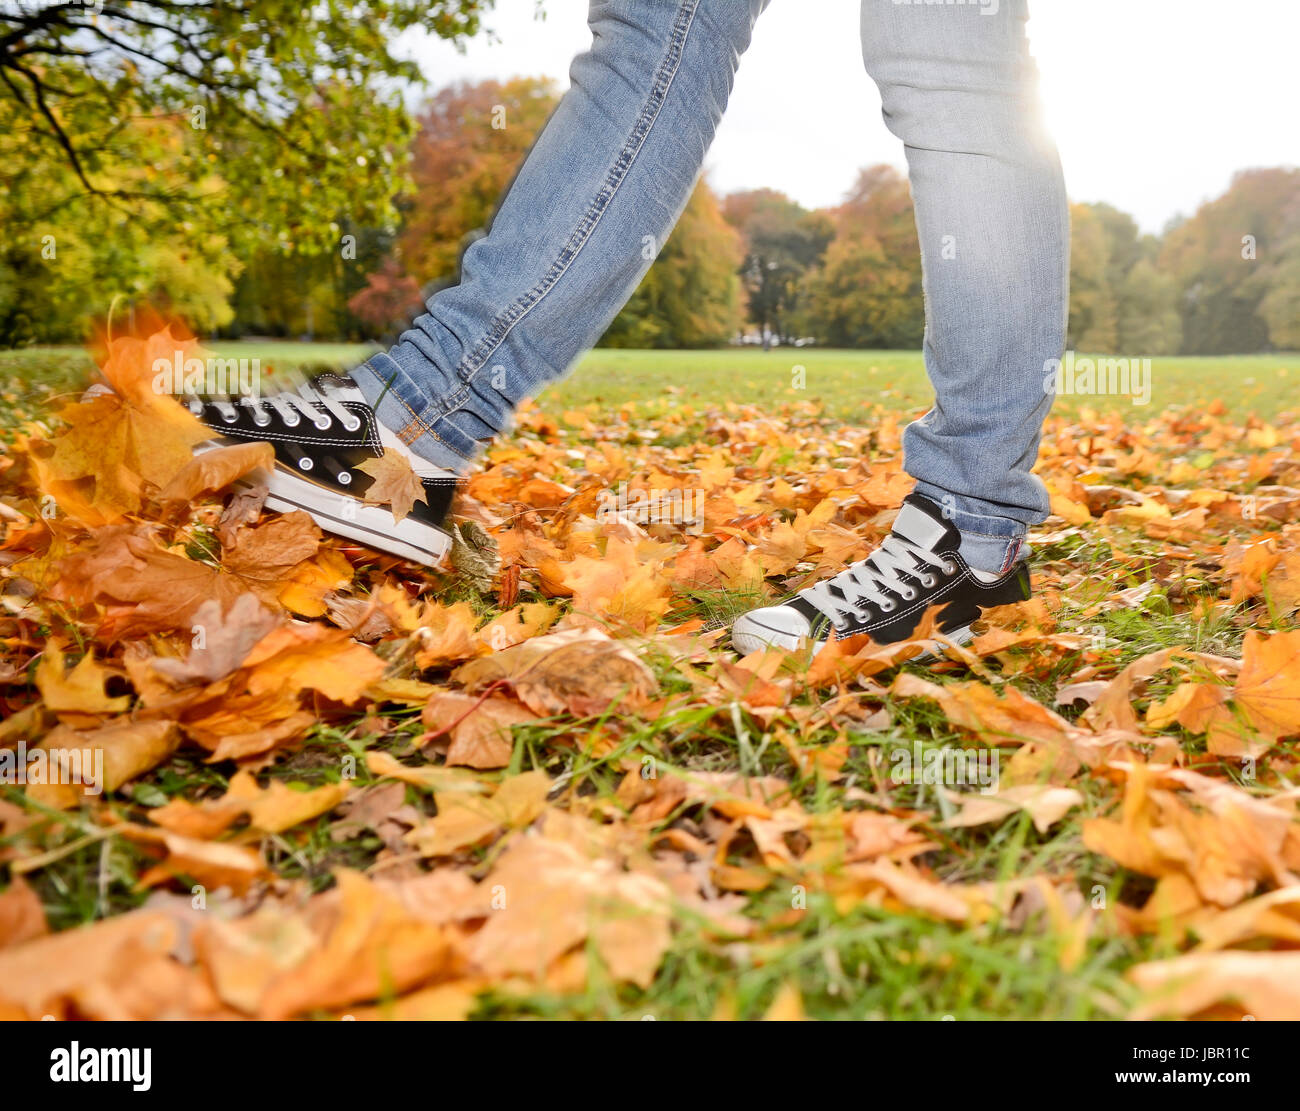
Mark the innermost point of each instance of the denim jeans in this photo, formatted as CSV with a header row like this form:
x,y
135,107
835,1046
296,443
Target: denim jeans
x,y
613,169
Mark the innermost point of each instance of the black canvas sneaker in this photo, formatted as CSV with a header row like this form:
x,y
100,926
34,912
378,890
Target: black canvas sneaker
x,y
918,565
321,431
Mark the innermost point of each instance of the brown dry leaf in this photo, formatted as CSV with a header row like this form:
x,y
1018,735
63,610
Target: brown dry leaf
x,y
80,690
121,750
40,975
214,864
396,484
578,671
1044,804
480,728
1265,986
427,778
355,943
446,635
312,657
214,470
119,445
265,557
452,1002
555,897
1268,688
22,917
914,890
221,642
278,807
143,587
997,719
619,589
464,819
1226,846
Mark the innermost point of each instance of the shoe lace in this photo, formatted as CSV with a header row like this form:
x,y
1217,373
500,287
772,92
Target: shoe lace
x,y
877,580
291,405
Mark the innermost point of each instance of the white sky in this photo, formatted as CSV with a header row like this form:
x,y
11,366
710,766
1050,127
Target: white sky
x,y
1154,103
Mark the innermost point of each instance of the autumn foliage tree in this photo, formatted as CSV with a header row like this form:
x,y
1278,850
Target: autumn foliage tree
x,y
470,140
868,292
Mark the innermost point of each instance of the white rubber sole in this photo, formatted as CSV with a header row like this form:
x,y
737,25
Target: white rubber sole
x,y
371,525
749,636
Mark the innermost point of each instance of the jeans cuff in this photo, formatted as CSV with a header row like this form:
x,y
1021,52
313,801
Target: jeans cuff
x,y
989,542
383,384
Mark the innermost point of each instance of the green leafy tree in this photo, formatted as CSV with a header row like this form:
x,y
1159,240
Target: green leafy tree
x,y
65,265
691,295
868,291
293,102
1228,258
1093,315
1148,319
166,145
782,241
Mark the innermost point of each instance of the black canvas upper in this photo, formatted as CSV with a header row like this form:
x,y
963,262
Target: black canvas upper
x,y
955,587
327,456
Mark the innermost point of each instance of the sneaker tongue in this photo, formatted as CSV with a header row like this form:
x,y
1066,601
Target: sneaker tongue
x,y
337,387
921,522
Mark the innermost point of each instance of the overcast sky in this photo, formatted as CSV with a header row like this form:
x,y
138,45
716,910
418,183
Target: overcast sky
x,y
1154,103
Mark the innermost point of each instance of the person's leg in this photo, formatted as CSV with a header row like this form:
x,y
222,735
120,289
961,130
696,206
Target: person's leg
x,y
960,89
591,206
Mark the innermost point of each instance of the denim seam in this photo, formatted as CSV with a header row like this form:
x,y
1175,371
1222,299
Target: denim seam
x,y
501,327
990,535
416,421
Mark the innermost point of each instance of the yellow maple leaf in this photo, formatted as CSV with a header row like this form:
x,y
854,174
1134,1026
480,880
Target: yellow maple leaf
x,y
396,484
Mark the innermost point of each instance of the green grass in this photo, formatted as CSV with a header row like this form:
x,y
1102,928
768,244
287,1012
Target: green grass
x,y
848,384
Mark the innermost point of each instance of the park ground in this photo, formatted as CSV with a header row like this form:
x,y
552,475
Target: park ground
x,y
1174,529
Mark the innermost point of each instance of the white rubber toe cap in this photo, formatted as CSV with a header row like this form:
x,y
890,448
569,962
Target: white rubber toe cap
x,y
773,627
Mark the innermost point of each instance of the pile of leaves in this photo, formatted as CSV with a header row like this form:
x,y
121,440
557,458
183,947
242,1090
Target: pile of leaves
x,y
337,784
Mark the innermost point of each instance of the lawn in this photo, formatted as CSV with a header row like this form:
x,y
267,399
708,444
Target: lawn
x,y
847,383
805,877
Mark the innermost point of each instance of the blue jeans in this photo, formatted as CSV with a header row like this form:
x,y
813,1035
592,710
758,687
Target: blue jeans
x,y
614,167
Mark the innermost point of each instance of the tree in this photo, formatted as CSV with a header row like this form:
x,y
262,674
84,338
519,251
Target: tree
x,y
388,299
61,267
1149,323
1227,257
292,100
1120,303
691,295
782,241
1093,325
470,141
868,291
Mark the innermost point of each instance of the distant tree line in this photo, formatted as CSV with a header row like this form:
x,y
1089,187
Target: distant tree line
x,y
356,262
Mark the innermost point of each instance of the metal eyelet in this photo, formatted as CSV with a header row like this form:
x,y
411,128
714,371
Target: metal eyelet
x,y
305,464
949,568
292,422
886,608
345,478
909,596
261,422
354,426
323,425
927,581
